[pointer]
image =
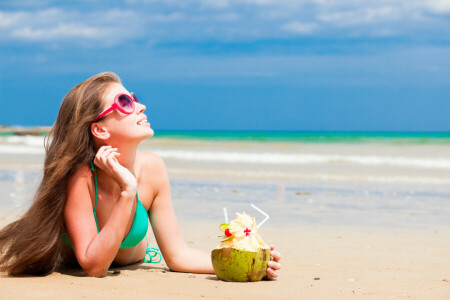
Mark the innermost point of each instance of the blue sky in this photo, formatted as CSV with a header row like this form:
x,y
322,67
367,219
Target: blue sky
x,y
236,64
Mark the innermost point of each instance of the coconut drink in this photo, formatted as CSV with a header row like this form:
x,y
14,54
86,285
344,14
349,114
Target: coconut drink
x,y
242,254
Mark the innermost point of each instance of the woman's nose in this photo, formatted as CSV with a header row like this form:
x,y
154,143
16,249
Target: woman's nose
x,y
140,107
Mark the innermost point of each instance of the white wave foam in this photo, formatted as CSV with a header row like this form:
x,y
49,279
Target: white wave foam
x,y
26,144
302,159
27,140
321,177
35,145
11,149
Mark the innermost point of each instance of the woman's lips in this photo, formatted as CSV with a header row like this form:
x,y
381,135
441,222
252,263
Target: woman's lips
x,y
143,121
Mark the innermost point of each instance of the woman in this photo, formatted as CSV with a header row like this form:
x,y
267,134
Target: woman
x,y
97,193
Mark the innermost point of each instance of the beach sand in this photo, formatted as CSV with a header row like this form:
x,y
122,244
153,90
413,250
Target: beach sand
x,y
317,263
354,232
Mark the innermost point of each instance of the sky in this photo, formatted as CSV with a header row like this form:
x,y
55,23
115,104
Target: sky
x,y
309,65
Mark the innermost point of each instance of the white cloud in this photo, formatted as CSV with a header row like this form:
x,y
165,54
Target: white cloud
x,y
9,19
299,28
363,16
159,21
438,6
61,31
203,4
71,26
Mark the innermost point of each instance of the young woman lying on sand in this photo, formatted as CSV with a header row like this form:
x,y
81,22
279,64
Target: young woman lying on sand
x,y
92,213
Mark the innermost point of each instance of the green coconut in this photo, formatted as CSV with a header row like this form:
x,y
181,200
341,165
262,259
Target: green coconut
x,y
231,264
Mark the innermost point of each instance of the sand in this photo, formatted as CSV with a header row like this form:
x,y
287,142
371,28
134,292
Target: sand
x,y
317,263
345,231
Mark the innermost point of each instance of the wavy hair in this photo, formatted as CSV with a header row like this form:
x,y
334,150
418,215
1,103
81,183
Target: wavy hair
x,y
32,244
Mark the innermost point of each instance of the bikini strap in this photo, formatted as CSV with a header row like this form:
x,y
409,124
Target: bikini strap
x,y
151,253
93,168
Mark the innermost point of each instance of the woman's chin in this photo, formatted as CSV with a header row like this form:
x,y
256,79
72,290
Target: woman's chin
x,y
136,135
148,134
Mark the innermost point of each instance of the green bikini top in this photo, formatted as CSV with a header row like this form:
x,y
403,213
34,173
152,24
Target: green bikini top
x,y
138,230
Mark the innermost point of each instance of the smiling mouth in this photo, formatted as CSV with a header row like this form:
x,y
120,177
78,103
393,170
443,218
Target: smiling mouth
x,y
142,122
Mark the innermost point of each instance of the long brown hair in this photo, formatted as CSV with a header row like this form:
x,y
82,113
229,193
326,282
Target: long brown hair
x,y
32,244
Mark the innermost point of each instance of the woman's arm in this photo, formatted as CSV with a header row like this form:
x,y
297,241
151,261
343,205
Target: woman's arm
x,y
177,255
96,251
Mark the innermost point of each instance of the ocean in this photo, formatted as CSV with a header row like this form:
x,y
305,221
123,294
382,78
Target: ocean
x,y
300,178
281,148
311,136
295,136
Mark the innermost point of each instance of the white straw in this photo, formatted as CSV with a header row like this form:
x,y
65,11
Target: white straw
x,y
226,214
267,216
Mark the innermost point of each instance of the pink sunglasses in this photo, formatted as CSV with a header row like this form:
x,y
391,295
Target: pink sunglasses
x,y
123,103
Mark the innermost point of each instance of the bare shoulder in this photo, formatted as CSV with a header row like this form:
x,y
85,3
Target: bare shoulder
x,y
82,174
79,182
152,170
152,175
150,163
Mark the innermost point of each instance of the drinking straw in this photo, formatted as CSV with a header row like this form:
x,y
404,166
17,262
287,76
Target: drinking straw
x,y
226,215
267,216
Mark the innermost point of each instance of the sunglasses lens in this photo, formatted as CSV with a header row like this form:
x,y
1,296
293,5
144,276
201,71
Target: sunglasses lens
x,y
135,98
126,103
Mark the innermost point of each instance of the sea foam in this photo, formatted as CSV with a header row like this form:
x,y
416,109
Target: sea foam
x,y
35,145
22,144
303,158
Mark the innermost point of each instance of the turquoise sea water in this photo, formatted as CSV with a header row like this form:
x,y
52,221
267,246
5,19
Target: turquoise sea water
x,y
293,136
311,136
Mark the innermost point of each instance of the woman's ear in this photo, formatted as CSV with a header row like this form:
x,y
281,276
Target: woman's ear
x,y
100,131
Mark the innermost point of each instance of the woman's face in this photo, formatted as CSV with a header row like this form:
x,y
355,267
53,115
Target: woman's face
x,y
125,127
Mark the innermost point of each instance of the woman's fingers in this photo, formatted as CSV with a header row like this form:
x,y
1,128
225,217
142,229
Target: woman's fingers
x,y
114,158
274,255
106,158
274,265
104,152
111,158
108,152
271,274
100,152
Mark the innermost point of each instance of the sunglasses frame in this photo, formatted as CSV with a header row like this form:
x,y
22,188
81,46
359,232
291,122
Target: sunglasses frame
x,y
117,105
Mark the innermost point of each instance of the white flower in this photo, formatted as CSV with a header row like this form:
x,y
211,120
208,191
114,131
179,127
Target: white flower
x,y
244,234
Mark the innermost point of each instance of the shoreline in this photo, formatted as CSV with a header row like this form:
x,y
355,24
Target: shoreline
x,y
6,130
273,136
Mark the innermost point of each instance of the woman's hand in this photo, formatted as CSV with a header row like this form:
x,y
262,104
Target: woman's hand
x,y
273,266
106,159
